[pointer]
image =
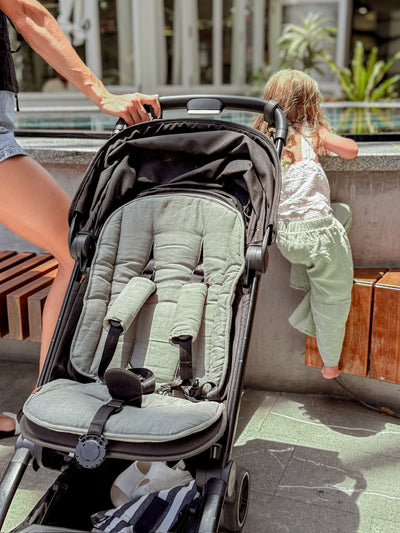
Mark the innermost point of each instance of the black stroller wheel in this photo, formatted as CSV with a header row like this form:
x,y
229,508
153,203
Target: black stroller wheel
x,y
236,507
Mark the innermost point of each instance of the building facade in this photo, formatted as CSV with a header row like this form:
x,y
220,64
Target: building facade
x,y
176,46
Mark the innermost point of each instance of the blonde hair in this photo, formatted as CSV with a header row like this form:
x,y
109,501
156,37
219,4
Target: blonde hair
x,y
300,99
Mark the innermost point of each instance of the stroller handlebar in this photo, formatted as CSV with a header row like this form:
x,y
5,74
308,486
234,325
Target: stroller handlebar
x,y
215,104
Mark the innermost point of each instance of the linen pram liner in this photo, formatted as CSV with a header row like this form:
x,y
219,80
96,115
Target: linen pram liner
x,y
177,230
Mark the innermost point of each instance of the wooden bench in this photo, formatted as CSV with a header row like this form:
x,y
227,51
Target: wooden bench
x,y
372,342
25,280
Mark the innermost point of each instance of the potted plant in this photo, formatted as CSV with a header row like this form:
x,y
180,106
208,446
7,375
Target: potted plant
x,y
306,47
303,47
365,81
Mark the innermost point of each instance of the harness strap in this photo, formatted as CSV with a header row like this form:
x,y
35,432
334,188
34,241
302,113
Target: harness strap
x,y
129,302
103,413
91,449
109,347
150,269
185,356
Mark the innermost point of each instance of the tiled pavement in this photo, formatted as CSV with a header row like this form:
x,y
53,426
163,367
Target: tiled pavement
x,y
317,464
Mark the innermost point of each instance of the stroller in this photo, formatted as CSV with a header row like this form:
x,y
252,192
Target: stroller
x,y
169,231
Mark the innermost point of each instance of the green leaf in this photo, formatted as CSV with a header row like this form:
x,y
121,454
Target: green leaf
x,y
365,80
372,58
375,78
361,83
357,64
304,46
392,61
381,90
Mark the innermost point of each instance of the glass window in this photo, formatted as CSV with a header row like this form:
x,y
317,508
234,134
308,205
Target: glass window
x,y
377,23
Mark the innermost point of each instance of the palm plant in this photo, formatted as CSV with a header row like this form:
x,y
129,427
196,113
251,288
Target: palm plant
x,y
366,80
306,46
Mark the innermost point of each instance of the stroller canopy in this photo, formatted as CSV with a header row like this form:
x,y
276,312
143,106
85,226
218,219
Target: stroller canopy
x,y
214,157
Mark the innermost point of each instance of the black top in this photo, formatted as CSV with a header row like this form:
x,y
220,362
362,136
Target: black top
x,y
8,79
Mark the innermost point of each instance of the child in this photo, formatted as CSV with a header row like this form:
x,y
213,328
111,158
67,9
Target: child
x,y
310,235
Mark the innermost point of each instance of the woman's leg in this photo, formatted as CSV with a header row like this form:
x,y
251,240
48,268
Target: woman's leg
x,y
35,207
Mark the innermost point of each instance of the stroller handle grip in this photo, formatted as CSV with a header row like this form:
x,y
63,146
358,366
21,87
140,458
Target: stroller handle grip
x,y
215,104
209,104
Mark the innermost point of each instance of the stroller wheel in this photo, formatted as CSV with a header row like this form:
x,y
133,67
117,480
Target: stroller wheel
x,y
235,507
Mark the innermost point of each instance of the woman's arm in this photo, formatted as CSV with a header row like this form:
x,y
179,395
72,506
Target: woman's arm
x,y
42,32
343,147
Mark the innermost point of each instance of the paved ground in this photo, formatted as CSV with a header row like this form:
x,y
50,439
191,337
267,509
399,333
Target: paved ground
x,y
317,464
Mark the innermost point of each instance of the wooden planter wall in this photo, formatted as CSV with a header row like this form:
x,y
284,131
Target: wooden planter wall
x,y
372,342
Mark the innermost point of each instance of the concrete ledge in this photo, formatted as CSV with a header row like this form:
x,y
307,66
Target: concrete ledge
x,y
370,184
61,151
372,156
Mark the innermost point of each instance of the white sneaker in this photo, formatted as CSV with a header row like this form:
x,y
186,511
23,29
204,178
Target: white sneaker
x,y
144,477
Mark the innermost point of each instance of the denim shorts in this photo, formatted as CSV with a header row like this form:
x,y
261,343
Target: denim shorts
x,y
8,145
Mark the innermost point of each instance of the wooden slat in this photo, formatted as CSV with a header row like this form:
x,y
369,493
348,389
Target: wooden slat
x,y
14,260
37,270
354,357
17,305
385,337
36,303
6,254
29,261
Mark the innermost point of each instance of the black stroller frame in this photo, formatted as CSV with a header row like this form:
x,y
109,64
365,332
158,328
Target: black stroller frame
x,y
224,487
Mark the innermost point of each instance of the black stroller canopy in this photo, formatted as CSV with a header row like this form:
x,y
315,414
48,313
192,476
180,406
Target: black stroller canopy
x,y
196,155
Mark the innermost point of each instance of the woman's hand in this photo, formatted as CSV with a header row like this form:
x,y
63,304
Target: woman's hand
x,y
130,107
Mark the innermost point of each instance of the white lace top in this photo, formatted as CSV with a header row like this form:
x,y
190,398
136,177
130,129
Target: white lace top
x,y
305,192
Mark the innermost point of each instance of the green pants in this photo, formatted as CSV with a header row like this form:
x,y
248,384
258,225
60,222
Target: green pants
x,y
322,264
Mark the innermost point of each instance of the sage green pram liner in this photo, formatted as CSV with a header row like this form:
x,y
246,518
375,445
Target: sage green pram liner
x,y
178,231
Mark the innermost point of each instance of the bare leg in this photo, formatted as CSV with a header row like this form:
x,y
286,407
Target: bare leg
x,y
6,423
35,207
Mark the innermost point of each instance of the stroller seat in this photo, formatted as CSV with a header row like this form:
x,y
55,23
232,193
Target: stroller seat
x,y
166,266
169,230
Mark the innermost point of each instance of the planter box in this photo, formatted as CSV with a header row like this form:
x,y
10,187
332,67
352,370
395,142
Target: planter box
x,y
354,358
385,336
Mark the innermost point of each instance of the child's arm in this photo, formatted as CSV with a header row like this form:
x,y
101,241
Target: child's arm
x,y
343,147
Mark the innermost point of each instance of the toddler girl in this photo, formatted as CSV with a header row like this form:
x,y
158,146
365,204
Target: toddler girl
x,y
312,232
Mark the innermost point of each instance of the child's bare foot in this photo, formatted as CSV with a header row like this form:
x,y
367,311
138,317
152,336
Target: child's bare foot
x,y
330,372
